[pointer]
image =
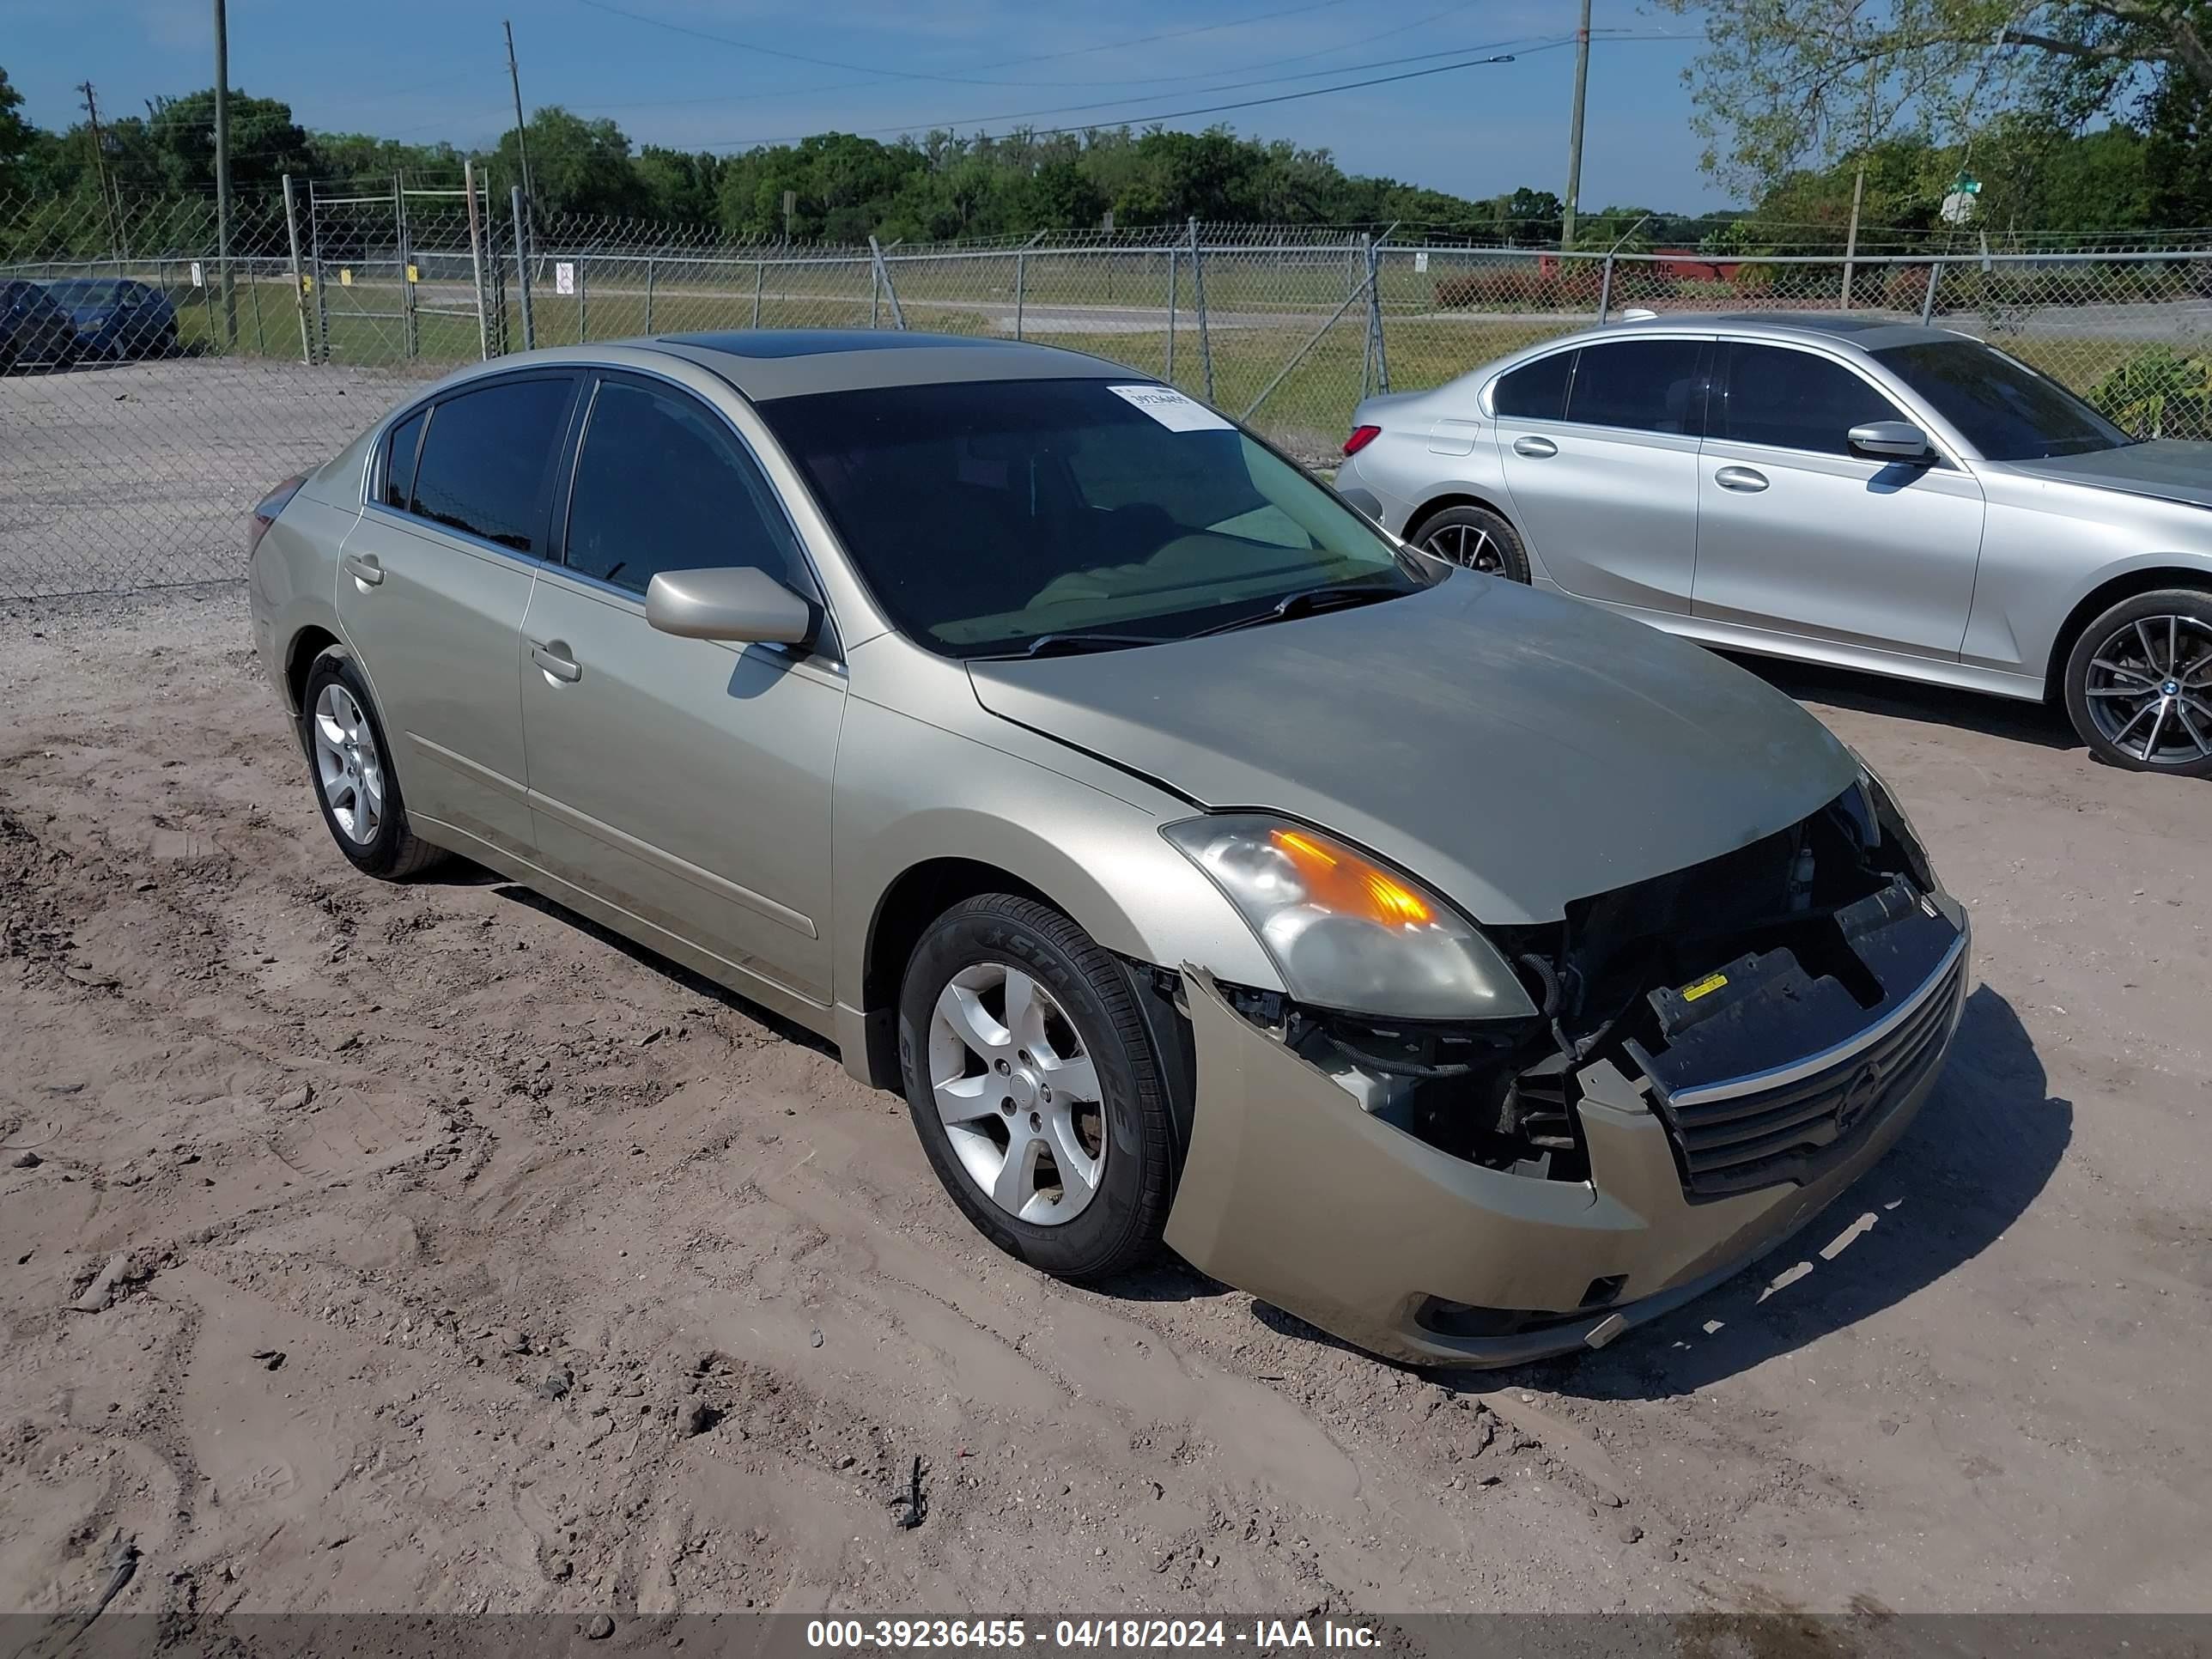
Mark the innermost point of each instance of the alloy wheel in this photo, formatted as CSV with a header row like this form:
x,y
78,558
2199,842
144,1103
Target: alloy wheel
x,y
2149,690
347,764
1018,1093
1470,546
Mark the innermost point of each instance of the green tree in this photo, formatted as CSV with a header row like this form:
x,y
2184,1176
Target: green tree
x,y
17,135
1785,84
575,165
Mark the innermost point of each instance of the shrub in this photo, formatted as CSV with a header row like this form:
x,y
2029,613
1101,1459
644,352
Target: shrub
x,y
2158,393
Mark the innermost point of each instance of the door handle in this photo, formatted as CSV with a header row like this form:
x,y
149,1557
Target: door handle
x,y
364,568
1745,478
1534,448
553,657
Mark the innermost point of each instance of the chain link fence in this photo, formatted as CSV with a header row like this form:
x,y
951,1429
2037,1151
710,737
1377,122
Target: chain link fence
x,y
134,439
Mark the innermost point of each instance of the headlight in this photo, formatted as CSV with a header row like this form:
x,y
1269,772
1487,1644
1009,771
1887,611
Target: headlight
x,y
1890,813
1346,932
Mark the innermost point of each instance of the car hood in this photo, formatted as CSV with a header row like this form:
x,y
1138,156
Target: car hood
x,y
2165,467
1514,750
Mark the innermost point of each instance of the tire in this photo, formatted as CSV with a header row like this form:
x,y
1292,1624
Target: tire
x,y
1475,538
381,844
1086,1008
2138,683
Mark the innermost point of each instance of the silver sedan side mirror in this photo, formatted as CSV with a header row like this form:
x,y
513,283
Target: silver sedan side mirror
x,y
740,603
1890,440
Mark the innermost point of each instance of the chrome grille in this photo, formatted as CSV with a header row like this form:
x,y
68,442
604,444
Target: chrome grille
x,y
1747,1133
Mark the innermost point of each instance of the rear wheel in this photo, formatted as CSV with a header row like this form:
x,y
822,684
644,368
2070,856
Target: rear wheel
x,y
1475,537
354,783
2139,682
1033,1087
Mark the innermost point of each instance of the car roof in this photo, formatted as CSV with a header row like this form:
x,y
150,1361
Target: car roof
x,y
1840,328
765,364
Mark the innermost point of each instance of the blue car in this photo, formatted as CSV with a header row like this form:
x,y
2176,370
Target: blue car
x,y
118,317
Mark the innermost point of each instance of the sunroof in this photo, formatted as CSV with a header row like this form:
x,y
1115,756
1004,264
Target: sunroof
x,y
818,342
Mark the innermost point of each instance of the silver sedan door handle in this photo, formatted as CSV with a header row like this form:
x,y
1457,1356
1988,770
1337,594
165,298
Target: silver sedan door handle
x,y
364,568
1534,448
1744,479
553,657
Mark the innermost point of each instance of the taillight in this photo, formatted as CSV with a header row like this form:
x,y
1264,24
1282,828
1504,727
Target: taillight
x,y
1361,437
266,509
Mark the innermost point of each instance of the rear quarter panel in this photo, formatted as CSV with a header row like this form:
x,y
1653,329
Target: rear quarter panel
x,y
1433,446
291,583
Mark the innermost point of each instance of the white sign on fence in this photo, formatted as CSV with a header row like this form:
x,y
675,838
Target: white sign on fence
x,y
199,276
564,277
1421,260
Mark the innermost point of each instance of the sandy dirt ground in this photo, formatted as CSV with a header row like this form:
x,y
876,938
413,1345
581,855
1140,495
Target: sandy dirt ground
x,y
369,1247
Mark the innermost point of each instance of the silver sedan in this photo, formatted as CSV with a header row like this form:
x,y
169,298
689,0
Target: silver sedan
x,y
1836,490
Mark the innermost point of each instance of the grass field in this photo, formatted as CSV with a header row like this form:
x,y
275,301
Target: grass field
x,y
1308,409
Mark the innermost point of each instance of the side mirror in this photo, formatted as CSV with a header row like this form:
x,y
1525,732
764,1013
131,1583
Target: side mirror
x,y
740,603
1890,440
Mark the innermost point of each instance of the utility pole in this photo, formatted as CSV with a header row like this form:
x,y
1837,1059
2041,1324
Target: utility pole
x,y
521,139
1575,130
107,202
222,176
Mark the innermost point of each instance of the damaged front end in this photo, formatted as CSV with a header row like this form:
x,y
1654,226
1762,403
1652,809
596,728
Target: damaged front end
x,y
1714,1054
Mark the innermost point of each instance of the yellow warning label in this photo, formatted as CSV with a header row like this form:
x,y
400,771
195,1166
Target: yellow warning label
x,y
414,275
307,285
345,277
1705,986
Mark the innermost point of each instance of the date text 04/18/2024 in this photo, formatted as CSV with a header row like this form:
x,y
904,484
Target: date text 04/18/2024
x,y
1256,1636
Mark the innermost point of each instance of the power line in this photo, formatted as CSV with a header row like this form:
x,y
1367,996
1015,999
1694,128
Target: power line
x,y
1232,86
1164,115
883,73
1367,38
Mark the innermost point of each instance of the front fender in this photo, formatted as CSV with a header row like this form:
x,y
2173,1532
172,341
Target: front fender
x,y
911,791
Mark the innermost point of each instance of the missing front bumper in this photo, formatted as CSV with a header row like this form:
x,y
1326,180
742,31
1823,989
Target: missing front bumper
x,y
1294,1194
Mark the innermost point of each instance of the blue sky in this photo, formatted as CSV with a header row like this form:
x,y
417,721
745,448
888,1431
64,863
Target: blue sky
x,y
425,69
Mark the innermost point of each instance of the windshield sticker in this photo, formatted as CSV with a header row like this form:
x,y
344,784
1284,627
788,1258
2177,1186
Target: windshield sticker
x,y
1171,409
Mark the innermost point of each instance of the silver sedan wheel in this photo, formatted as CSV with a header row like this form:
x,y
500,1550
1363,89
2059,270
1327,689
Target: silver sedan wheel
x,y
2149,688
1018,1093
1470,546
348,768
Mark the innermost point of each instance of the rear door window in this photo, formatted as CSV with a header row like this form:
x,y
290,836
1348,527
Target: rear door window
x,y
487,457
662,485
399,459
1795,400
1641,385
1537,390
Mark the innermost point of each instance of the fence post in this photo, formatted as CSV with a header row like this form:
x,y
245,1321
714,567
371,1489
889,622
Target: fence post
x,y
1605,290
760,276
583,299
1928,300
298,276
649,293
1198,299
883,280
522,269
475,259
1375,315
1021,278
408,335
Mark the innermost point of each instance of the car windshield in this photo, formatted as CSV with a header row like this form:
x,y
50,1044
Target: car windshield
x,y
991,517
2006,410
85,291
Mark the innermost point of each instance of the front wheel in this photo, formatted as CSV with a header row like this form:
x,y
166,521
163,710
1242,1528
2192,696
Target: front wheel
x,y
1033,1087
1475,537
2139,683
